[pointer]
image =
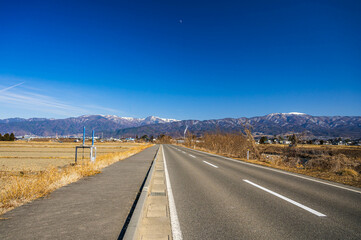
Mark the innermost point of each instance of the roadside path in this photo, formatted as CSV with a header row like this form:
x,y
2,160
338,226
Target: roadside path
x,y
95,207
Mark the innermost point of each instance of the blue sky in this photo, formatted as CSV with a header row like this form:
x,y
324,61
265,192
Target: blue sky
x,y
179,59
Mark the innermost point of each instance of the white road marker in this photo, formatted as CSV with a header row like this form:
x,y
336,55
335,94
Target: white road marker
x,y
210,164
192,155
183,152
176,231
287,199
280,171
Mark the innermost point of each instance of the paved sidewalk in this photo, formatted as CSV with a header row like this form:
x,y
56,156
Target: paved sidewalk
x,y
93,208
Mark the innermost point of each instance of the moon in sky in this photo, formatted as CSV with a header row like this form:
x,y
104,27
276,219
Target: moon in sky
x,y
180,21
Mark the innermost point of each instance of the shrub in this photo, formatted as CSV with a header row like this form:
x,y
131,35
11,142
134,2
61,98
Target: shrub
x,y
331,163
230,144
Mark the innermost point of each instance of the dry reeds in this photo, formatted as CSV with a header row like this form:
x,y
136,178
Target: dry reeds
x,y
22,187
229,144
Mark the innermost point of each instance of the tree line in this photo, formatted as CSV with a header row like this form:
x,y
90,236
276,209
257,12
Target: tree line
x,y
7,137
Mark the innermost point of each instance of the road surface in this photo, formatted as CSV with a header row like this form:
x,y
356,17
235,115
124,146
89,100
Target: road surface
x,y
216,198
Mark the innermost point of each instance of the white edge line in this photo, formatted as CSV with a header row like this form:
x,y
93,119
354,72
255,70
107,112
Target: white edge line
x,y
176,231
210,164
279,171
287,199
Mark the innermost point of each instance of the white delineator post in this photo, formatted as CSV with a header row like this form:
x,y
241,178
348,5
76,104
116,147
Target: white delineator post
x,y
93,150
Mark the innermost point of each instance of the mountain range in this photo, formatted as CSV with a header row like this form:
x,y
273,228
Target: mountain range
x,y
74,125
110,125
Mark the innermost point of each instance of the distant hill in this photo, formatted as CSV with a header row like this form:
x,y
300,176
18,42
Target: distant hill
x,y
271,124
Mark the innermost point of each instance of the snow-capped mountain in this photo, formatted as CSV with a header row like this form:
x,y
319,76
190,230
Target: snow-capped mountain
x,y
271,124
74,125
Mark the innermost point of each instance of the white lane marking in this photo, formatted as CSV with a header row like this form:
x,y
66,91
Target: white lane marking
x,y
176,231
287,199
183,152
192,155
279,171
210,164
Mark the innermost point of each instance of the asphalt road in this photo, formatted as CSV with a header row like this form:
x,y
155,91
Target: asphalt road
x,y
216,198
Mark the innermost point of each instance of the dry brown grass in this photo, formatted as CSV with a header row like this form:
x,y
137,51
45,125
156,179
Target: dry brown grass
x,y
353,152
19,187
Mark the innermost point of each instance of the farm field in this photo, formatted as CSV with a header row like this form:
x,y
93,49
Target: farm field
x,y
37,156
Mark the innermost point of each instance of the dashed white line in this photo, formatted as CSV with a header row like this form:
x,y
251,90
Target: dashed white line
x,y
210,164
287,199
192,155
176,231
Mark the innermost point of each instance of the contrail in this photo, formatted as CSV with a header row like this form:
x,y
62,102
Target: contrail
x,y
5,89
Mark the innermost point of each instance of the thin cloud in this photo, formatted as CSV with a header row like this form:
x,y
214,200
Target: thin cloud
x,y
39,103
28,100
8,88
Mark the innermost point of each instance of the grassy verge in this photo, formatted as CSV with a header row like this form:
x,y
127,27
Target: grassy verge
x,y
345,176
21,187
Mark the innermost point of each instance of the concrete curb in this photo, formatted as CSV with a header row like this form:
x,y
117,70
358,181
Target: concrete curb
x,y
132,229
